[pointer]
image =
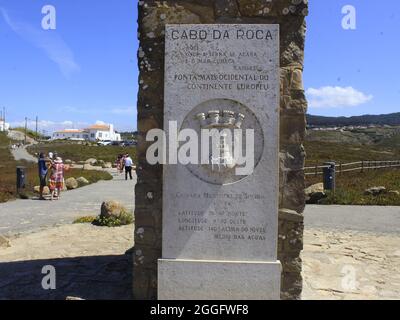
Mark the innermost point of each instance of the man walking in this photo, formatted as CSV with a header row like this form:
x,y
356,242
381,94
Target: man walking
x,y
128,167
43,170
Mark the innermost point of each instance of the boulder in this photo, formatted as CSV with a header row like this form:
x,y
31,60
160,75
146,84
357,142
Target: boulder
x,y
91,161
319,187
375,191
107,165
68,161
100,162
315,197
394,192
88,167
111,208
315,193
71,184
46,190
82,181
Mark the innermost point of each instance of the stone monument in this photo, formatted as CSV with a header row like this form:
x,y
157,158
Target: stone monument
x,y
220,226
171,223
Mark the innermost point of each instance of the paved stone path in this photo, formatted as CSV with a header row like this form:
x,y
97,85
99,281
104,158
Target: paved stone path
x,y
361,218
31,215
342,260
350,265
90,263
351,252
22,154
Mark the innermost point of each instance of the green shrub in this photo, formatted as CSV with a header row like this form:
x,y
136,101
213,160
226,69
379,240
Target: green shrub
x,y
125,218
87,219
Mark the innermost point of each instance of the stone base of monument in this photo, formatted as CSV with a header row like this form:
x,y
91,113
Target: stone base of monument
x,y
218,280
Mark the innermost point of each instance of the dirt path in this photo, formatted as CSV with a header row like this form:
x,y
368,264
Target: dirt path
x,y
374,219
22,154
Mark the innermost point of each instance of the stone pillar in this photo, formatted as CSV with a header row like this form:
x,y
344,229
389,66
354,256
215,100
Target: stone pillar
x,y
153,15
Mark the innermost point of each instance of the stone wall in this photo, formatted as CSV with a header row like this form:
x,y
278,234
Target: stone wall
x,y
153,15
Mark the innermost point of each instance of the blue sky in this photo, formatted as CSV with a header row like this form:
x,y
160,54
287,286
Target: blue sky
x,y
82,72
363,59
85,71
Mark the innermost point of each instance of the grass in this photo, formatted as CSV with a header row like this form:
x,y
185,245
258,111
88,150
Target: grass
x,y
7,166
8,190
320,152
87,219
125,218
81,152
351,185
30,133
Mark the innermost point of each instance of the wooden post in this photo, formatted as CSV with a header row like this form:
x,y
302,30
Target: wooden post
x,y
316,168
362,166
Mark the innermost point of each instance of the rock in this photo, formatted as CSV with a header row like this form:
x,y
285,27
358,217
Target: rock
x,y
88,167
394,192
71,184
82,181
111,208
319,187
315,197
107,165
375,191
46,190
91,161
315,193
68,161
100,162
4,242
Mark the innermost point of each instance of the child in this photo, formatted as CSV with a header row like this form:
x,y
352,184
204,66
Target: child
x,y
56,178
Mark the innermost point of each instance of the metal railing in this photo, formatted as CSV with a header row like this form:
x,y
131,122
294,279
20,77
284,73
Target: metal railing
x,y
361,166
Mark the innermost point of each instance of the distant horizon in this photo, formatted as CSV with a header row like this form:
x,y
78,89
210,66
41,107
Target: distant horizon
x,y
361,115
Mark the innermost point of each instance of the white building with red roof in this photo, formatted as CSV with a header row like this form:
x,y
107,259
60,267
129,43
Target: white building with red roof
x,y
4,126
97,132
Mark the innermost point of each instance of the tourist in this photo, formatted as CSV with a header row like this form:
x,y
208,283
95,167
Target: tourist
x,y
128,163
43,170
123,163
120,164
57,178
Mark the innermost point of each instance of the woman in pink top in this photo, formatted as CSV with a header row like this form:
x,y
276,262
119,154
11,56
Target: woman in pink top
x,y
57,178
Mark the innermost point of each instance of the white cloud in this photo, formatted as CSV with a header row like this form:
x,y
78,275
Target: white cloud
x,y
336,97
50,42
48,125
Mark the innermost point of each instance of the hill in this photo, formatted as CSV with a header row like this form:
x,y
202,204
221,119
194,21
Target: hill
x,y
392,119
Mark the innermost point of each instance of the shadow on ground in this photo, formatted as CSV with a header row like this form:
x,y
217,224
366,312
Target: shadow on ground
x,y
98,277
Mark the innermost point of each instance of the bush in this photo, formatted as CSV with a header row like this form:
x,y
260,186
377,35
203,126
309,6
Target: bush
x,y
88,219
125,218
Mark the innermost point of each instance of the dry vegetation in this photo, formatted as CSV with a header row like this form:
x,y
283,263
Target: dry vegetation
x,y
81,152
8,173
351,185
